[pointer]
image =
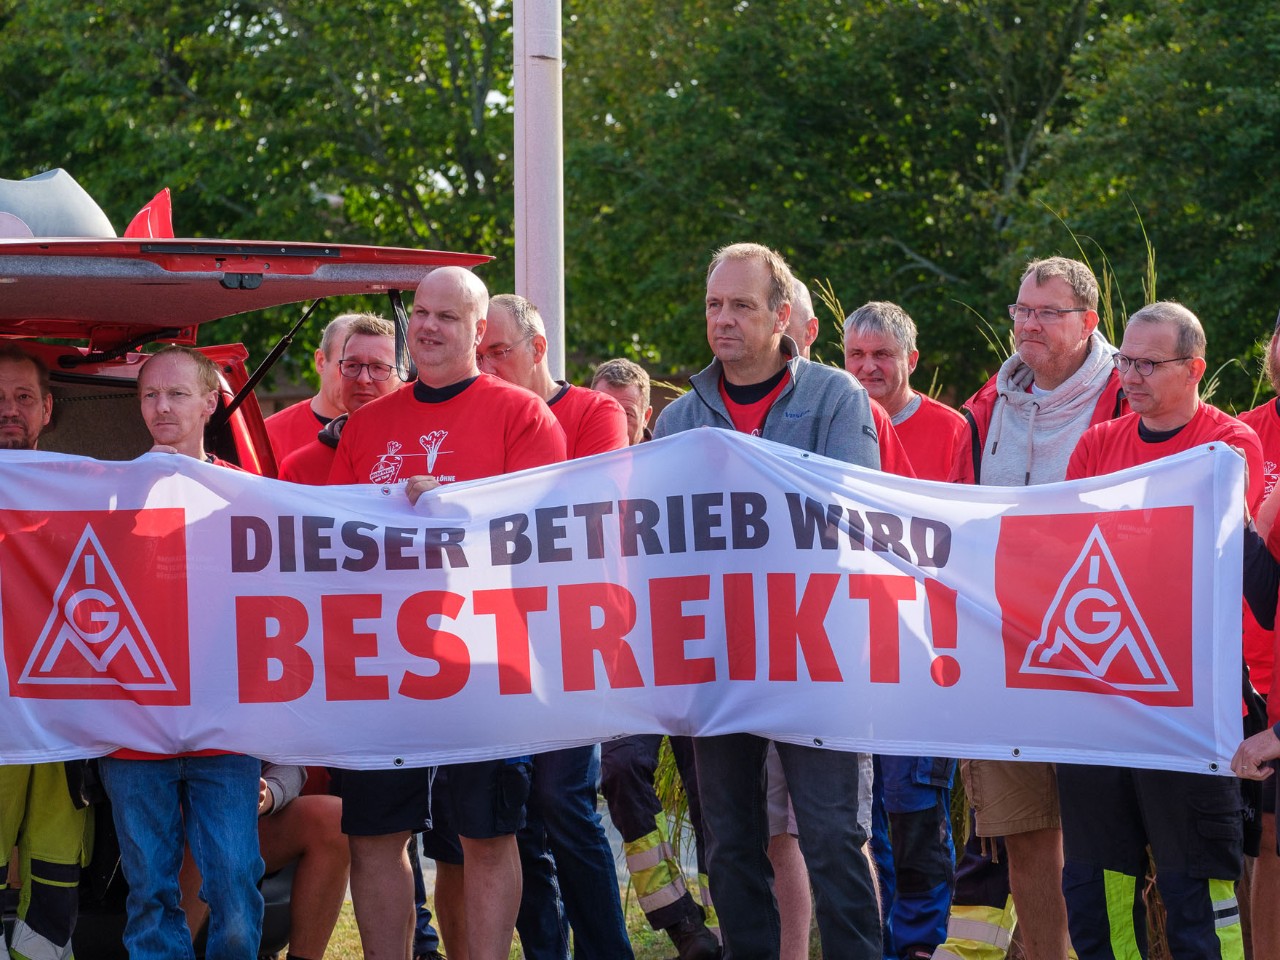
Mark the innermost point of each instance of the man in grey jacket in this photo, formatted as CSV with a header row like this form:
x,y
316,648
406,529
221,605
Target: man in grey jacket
x,y
758,384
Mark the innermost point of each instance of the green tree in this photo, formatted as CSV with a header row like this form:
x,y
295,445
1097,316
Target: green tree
x,y
1178,124
370,121
885,146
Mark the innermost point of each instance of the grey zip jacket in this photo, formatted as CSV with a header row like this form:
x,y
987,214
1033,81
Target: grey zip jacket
x,y
821,409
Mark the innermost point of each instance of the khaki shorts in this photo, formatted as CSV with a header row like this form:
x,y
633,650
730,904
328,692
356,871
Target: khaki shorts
x,y
1011,797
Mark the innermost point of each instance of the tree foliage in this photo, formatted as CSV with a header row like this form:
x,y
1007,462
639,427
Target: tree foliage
x,y
1177,126
912,150
362,122
881,145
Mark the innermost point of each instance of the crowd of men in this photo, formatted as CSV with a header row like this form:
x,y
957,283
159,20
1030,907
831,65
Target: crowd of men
x,y
782,831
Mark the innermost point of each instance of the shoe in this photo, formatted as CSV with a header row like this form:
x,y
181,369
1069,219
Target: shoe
x,y
693,941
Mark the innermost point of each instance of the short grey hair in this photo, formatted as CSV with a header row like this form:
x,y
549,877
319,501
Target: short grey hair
x,y
1191,339
528,319
780,277
1084,285
621,372
881,316
335,333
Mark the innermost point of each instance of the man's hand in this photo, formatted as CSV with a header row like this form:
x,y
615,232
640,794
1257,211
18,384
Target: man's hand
x,y
266,799
1252,756
163,448
415,487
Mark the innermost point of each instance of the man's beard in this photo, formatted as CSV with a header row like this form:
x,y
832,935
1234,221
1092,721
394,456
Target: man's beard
x,y
16,443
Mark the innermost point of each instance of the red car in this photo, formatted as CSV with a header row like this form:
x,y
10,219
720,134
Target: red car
x,y
89,305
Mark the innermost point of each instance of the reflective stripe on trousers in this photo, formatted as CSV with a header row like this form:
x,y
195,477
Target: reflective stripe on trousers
x,y
29,945
657,876
978,933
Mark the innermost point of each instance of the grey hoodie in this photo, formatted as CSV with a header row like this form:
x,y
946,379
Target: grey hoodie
x,y
1031,437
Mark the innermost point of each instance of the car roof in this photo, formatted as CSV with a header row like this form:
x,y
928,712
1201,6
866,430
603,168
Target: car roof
x,y
113,291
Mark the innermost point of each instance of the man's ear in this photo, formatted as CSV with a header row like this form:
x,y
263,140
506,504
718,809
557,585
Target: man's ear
x,y
811,332
783,315
1090,322
539,347
912,359
1196,367
481,325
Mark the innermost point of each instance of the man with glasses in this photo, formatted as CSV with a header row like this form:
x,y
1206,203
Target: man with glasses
x,y
368,371
576,886
514,349
297,425
1023,425
1110,815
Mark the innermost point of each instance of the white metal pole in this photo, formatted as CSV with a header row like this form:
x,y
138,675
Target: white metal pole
x,y
539,185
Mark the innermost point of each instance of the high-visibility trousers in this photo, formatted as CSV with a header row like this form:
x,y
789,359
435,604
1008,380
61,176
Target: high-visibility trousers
x,y
37,815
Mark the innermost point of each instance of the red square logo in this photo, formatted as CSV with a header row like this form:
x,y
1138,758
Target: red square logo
x,y
1099,602
94,605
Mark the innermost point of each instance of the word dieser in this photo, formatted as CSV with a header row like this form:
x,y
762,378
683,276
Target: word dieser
x,y
709,583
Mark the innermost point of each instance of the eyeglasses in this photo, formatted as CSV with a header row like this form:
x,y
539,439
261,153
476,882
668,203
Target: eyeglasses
x,y
377,371
1046,314
498,354
1142,365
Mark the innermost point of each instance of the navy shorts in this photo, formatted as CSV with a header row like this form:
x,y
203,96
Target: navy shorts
x,y
477,800
378,802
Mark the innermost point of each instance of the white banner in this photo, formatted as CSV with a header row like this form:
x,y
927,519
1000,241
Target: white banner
x,y
708,583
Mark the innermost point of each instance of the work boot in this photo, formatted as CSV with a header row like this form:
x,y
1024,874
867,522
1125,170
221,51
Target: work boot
x,y
693,941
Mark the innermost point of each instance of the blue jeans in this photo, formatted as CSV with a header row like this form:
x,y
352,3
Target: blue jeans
x,y
569,875
425,938
216,799
824,793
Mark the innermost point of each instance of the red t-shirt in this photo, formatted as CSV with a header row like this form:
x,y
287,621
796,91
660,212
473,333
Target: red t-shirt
x,y
293,427
1259,642
893,455
1115,445
309,464
593,422
1265,422
750,417
932,437
489,428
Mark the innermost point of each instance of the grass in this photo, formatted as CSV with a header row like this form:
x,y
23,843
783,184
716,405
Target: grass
x,y
648,944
